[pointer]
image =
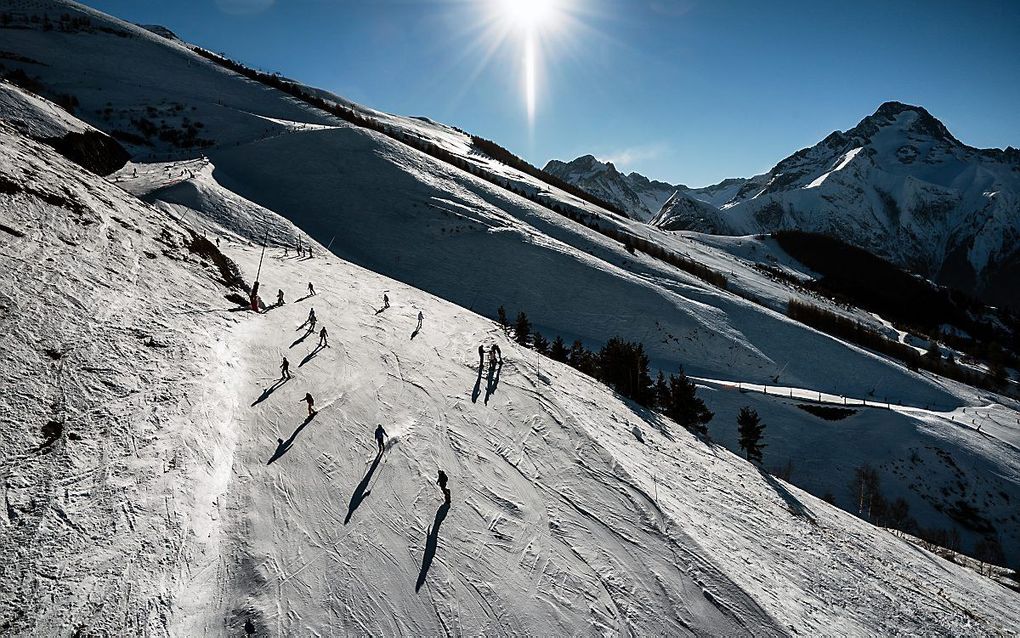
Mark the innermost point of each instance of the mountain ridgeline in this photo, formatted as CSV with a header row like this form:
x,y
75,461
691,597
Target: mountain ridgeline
x,y
898,184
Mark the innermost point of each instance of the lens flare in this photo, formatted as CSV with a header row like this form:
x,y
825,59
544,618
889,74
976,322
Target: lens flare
x,y
528,21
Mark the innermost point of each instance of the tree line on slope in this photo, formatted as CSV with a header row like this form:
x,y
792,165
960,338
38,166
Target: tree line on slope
x,y
858,333
910,302
631,242
623,366
854,332
500,154
871,505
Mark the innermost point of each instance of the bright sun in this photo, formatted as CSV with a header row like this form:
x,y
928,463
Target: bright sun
x,y
528,14
529,19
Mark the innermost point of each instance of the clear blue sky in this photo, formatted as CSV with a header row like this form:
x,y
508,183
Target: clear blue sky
x,y
687,91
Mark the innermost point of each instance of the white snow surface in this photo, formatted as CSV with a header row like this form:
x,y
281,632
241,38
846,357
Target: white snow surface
x,y
899,185
207,525
843,161
185,492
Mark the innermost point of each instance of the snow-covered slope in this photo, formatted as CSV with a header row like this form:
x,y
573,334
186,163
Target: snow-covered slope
x,y
899,185
401,213
160,480
640,197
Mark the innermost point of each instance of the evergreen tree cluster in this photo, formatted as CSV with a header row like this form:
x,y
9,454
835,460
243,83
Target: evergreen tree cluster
x,y
624,367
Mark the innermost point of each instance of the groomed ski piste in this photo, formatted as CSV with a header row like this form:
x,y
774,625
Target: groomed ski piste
x,y
139,493
186,492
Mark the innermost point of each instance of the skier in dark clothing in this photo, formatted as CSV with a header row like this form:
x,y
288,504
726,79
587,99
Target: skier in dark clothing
x,y
421,318
481,355
311,403
385,301
311,289
311,318
323,337
442,485
380,436
285,369
496,354
279,297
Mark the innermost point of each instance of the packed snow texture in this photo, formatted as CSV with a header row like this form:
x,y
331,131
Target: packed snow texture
x,y
573,512
185,492
399,212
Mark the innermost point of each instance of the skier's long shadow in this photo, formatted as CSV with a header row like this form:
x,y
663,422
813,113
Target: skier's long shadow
x,y
430,545
360,493
415,333
302,337
271,389
796,507
283,446
478,385
311,355
493,381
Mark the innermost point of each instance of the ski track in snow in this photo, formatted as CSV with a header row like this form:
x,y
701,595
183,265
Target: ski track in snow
x,y
561,522
195,498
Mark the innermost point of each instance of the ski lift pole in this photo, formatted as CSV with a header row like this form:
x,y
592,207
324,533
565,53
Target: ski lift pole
x,y
330,243
255,286
259,271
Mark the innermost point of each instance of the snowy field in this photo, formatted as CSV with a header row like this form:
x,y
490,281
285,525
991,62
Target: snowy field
x,y
189,498
159,480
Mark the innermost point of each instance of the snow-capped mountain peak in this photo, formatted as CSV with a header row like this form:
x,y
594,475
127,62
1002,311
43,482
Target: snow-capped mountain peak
x,y
898,184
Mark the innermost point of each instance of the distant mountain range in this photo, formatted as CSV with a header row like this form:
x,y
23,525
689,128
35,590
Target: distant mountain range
x,y
898,184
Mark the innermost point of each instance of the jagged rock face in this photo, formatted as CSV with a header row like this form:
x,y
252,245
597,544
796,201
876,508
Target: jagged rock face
x,y
898,184
638,196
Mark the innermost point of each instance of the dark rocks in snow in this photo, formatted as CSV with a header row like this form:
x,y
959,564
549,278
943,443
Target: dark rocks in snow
x,y
92,150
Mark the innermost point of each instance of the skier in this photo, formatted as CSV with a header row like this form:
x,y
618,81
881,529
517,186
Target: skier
x,y
311,319
311,403
481,355
496,354
311,289
385,301
285,369
323,337
442,485
421,318
380,435
279,297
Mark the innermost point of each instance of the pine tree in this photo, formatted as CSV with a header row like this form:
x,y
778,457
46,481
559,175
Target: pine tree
x,y
539,343
522,329
685,407
558,351
624,367
661,392
583,359
750,428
